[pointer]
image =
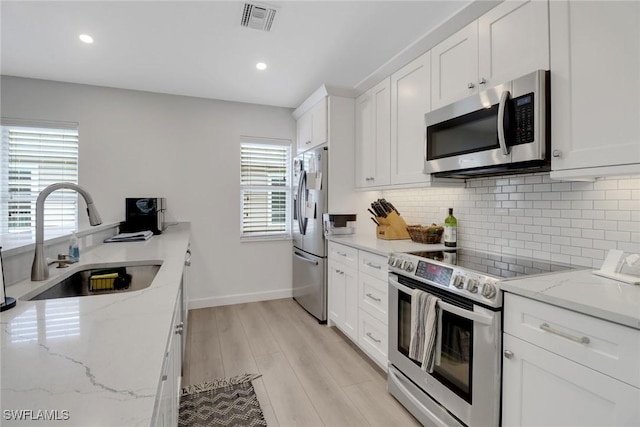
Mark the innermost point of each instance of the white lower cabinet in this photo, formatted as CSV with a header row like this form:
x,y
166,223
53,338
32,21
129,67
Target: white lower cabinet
x,y
541,388
562,368
168,395
372,338
358,298
343,298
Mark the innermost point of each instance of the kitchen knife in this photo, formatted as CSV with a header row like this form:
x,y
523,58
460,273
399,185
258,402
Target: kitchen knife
x,y
378,209
372,212
377,206
391,206
374,220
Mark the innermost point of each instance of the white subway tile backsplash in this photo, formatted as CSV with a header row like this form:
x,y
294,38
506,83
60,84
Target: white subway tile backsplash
x,y
618,194
532,215
606,184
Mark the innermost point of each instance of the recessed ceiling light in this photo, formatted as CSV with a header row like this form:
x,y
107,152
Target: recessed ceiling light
x,y
261,66
86,38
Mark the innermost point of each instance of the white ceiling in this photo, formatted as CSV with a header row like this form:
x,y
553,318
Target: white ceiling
x,y
198,48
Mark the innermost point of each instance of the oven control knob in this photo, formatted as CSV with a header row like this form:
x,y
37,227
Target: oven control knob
x,y
397,263
472,286
391,261
488,290
408,267
458,282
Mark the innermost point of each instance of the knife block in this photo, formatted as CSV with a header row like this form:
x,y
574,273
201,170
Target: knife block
x,y
393,227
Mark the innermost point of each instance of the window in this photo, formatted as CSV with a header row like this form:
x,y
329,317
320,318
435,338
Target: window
x,y
265,188
34,156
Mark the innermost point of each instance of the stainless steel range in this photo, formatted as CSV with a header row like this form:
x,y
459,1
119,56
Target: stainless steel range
x,y
464,387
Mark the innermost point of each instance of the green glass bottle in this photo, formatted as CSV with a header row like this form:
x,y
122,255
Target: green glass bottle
x,y
450,230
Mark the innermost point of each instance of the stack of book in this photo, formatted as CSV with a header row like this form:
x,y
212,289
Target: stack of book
x,y
130,237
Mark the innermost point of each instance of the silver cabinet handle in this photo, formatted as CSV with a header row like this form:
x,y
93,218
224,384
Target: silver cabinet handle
x,y
482,81
470,86
371,336
339,272
582,340
179,328
374,298
557,153
508,354
368,264
165,367
308,142
341,254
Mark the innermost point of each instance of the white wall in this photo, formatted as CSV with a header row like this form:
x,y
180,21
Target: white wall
x,y
534,216
140,144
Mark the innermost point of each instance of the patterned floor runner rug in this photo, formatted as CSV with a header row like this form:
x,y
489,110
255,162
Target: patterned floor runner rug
x,y
222,402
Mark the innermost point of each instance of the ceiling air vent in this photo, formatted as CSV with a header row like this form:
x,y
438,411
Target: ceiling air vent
x,y
257,17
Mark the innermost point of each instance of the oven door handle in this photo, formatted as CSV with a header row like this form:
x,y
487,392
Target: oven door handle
x,y
466,314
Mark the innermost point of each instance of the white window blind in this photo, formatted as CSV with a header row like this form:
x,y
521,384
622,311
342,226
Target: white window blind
x,y
34,157
265,188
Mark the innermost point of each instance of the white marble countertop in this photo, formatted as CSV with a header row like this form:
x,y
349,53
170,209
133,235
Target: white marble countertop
x,y
583,292
98,357
383,247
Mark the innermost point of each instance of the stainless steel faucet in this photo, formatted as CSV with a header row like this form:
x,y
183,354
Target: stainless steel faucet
x,y
39,268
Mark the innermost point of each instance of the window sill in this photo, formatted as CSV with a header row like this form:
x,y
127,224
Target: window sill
x,y
265,239
17,243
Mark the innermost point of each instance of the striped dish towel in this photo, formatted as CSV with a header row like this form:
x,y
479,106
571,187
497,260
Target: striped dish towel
x,y
424,327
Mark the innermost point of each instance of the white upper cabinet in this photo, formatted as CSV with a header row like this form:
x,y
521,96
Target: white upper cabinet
x,y
410,101
595,94
455,67
513,40
312,127
507,42
373,121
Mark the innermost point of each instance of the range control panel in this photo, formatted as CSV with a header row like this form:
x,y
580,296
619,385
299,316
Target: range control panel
x,y
468,283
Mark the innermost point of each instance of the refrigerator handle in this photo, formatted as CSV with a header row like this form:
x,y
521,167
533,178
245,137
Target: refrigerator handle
x,y
303,258
302,189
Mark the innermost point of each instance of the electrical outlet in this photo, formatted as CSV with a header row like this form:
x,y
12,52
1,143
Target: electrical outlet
x,y
88,240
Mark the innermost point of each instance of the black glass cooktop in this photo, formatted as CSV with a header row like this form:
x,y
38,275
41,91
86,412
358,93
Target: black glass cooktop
x,y
500,265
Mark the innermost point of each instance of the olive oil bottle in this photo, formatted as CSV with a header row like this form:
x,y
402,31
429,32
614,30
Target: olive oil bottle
x,y
450,230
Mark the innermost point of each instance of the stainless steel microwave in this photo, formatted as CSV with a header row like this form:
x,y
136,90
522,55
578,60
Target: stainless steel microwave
x,y
500,131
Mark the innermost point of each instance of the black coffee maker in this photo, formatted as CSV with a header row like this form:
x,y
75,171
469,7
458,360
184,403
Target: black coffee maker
x,y
144,214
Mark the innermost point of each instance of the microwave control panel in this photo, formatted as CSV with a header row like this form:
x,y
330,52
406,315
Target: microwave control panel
x,y
524,118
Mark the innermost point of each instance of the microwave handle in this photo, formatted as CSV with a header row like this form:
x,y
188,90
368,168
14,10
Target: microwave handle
x,y
501,112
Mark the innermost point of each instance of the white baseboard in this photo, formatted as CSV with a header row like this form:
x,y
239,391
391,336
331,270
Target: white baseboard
x,y
239,298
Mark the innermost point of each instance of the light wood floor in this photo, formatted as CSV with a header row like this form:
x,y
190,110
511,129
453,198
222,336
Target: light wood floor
x,y
312,375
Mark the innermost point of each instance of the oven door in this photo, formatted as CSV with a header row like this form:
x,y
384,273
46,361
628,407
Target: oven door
x,y
466,383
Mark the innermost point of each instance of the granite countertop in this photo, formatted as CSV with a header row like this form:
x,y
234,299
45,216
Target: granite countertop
x,y
97,359
583,292
383,247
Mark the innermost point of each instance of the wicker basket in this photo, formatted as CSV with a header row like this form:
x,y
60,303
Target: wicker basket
x,y
421,234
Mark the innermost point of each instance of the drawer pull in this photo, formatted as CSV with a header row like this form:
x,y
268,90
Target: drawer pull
x,y
377,267
374,298
371,336
341,253
582,340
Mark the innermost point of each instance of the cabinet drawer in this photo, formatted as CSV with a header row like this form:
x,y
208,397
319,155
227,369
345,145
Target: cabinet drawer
x,y
603,346
373,264
373,294
344,254
373,338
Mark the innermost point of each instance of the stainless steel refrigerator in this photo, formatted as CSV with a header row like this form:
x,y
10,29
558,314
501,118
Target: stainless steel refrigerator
x,y
309,245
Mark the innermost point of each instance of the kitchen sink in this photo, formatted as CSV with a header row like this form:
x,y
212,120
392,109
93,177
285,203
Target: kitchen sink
x,y
129,278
